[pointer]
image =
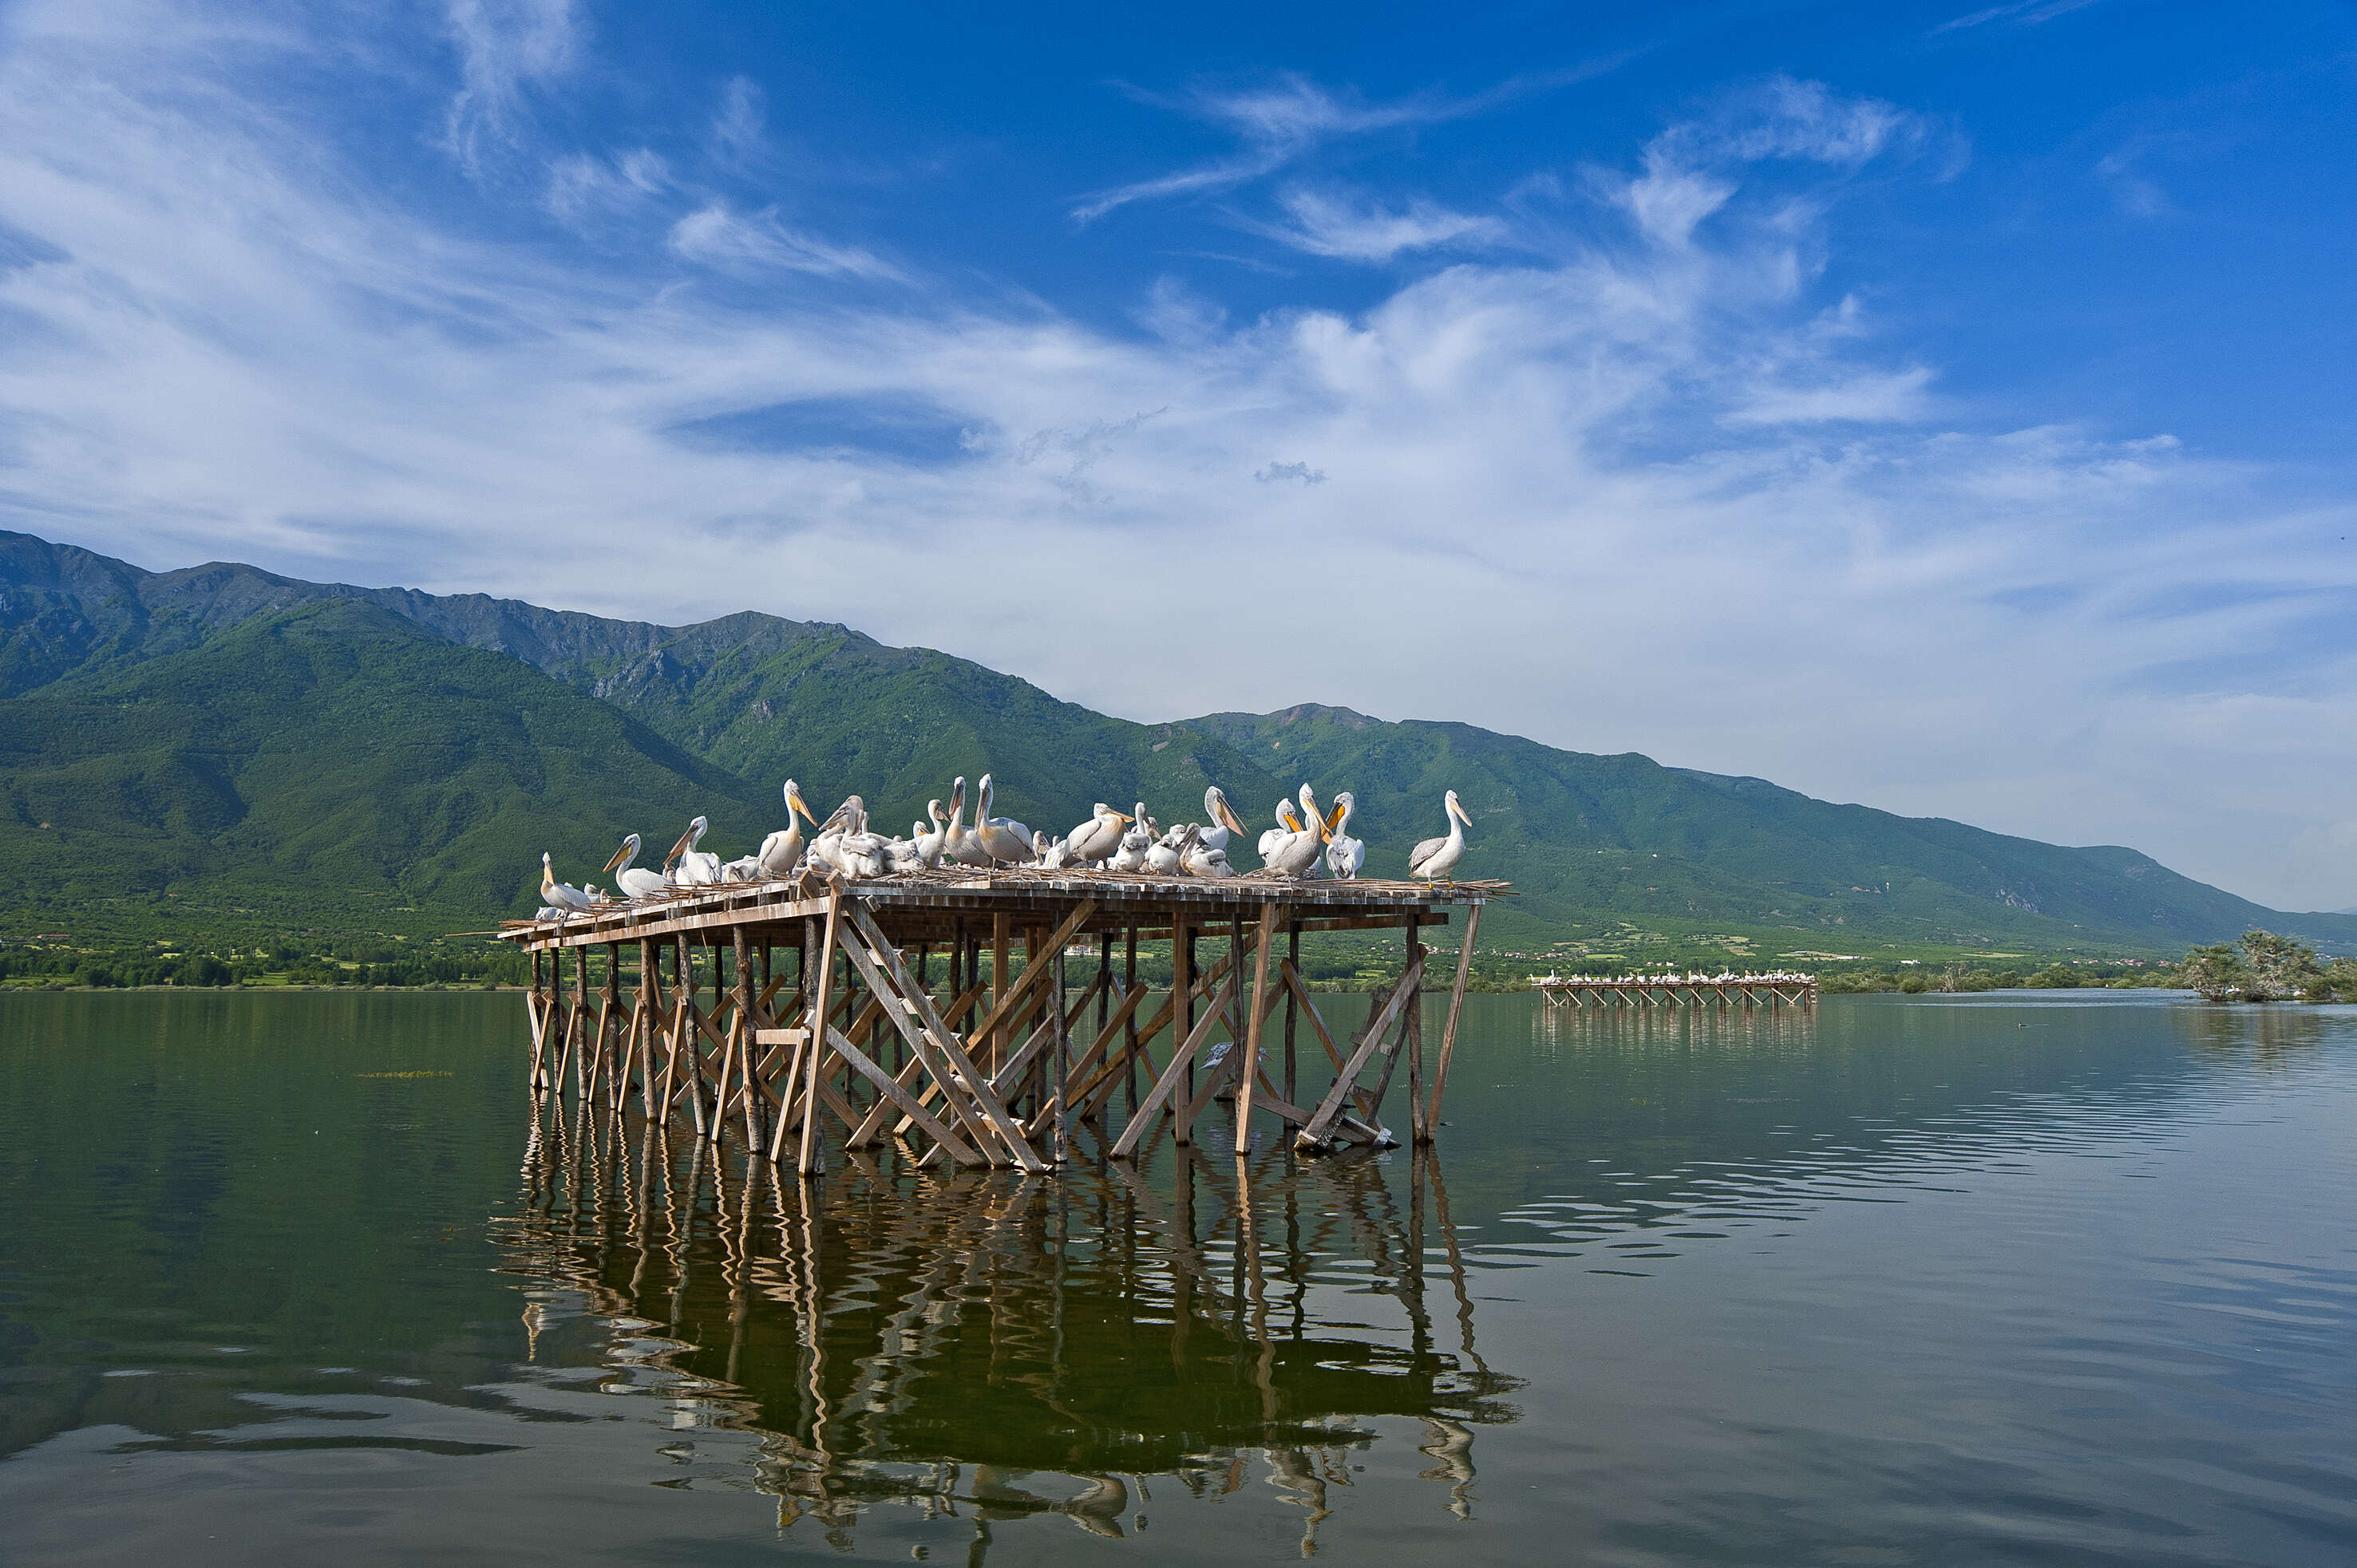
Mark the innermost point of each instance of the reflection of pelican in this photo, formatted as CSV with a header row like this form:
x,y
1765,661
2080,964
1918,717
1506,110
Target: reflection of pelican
x,y
1344,854
1436,858
635,881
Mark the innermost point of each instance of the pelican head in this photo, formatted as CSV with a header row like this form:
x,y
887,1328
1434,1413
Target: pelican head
x,y
933,810
1455,810
795,804
686,842
1344,804
1215,806
982,799
624,855
1312,815
547,873
957,798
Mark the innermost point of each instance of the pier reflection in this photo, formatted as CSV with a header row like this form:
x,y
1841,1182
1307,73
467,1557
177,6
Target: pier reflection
x,y
990,1346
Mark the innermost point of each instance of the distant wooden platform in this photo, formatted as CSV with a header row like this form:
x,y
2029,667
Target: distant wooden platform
x,y
1689,991
848,1035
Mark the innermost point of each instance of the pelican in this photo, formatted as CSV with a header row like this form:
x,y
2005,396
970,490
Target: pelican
x,y
1222,822
845,842
1297,854
634,882
1204,858
556,894
1003,838
928,845
1344,854
781,851
961,845
1288,822
1168,858
1436,858
1131,857
697,868
1050,855
1097,838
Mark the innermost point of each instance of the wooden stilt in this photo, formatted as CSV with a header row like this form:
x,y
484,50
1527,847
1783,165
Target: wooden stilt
x,y
1249,1072
1449,1030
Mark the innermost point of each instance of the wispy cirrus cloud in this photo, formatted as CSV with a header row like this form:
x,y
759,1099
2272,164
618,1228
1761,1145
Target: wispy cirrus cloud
x,y
749,243
1278,121
504,47
2020,12
1354,228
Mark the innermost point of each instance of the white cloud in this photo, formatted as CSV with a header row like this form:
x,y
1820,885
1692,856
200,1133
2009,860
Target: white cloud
x,y
1660,498
503,46
1326,224
726,240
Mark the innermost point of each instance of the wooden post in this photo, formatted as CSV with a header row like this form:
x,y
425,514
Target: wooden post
x,y
1293,957
1182,976
1249,1071
747,1051
1129,1043
650,997
1061,1045
581,1006
808,1161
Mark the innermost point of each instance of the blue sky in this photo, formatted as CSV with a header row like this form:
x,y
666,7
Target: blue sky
x,y
1946,407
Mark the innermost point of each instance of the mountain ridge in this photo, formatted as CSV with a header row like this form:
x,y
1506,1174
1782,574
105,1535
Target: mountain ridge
x,y
640,725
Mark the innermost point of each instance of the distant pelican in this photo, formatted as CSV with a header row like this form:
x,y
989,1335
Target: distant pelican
x,y
1297,854
1097,838
1288,822
1003,838
1436,858
1168,858
961,844
1344,854
782,850
1131,857
1204,858
697,869
556,894
635,882
1223,823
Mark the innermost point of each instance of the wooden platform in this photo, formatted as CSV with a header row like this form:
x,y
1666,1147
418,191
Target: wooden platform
x,y
850,1036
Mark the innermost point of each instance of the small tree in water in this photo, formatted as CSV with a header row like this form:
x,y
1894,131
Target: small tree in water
x,y
2262,967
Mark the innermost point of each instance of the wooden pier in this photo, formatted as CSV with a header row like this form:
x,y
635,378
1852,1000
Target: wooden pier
x,y
846,1037
1681,991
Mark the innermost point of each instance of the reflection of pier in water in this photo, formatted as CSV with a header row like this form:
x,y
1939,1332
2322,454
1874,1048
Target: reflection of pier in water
x,y
994,1345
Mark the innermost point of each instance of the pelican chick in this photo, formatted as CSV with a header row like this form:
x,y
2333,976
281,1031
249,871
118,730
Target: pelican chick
x,y
1436,858
1131,857
1168,858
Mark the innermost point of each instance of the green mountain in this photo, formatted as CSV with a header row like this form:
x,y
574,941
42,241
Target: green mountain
x,y
225,741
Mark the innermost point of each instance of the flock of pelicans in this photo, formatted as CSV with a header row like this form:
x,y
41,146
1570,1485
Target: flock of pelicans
x,y
1307,842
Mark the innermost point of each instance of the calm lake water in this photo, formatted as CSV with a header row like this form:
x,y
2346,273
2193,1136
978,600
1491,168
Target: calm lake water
x,y
2016,1278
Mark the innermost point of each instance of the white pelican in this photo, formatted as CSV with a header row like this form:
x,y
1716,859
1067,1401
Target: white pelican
x,y
1223,823
1288,822
961,845
634,881
1131,857
1204,858
1436,858
697,868
1297,854
781,849
1050,855
1168,858
928,845
556,894
845,842
1003,838
1344,854
1097,838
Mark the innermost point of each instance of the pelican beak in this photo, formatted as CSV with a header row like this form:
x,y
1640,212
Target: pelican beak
x,y
1122,817
794,800
681,848
620,856
1333,822
1228,818
1460,812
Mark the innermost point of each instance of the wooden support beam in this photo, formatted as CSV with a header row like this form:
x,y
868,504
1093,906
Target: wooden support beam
x,y
1250,1071
1313,1135
1168,1085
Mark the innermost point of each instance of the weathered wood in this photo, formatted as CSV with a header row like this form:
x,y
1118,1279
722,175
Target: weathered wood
x,y
889,1087
1314,1133
1449,1030
1250,1070
1168,1085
